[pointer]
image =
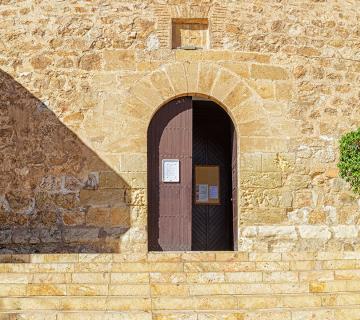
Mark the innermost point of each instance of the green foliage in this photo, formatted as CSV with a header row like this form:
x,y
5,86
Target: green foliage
x,y
349,163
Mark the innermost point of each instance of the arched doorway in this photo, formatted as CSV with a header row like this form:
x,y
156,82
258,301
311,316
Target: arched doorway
x,y
192,177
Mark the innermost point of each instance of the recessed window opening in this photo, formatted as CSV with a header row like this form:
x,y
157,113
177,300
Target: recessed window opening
x,y
190,34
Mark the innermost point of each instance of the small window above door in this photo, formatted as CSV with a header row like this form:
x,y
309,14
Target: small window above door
x,y
190,34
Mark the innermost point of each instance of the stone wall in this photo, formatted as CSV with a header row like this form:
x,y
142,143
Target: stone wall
x,y
286,74
81,81
187,286
56,194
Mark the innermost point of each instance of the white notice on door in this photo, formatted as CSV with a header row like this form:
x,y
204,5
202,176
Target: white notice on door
x,y
170,170
203,193
213,192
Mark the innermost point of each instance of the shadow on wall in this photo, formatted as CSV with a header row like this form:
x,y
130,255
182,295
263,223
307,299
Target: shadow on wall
x,y
56,195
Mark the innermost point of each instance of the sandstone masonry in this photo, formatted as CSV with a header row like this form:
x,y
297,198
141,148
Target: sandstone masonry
x,y
79,84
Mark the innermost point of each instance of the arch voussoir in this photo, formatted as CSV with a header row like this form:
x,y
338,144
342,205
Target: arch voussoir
x,y
147,93
177,76
192,76
161,82
224,83
202,79
207,76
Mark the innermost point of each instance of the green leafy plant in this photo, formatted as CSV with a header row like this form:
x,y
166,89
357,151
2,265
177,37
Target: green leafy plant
x,y
349,163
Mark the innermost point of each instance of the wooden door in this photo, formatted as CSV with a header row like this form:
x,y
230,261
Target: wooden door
x,y
212,224
169,204
234,184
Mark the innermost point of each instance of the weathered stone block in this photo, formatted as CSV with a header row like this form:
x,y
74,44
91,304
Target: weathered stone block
x,y
177,290
87,289
50,235
224,82
147,94
189,55
241,69
120,217
237,96
119,60
73,218
89,62
10,290
243,277
80,234
192,71
161,82
251,56
83,303
268,315
128,303
25,236
102,197
197,303
172,277
303,301
130,290
66,201
264,88
120,278
261,180
99,278
345,232
277,162
206,78
5,236
283,91
268,72
177,76
99,217
297,181
308,51
250,161
46,289
133,162
41,62
263,144
314,232
278,232
261,216
286,199
111,180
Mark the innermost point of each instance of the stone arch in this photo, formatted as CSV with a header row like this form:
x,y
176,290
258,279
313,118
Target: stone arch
x,y
203,79
242,97
170,81
235,94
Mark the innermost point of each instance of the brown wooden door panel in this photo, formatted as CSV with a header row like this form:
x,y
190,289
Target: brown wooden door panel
x,y
169,211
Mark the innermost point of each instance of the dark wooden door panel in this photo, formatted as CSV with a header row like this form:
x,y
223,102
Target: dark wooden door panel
x,y
234,177
212,224
169,210
199,228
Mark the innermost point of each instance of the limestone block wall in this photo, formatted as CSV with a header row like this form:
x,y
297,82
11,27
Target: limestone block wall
x,y
81,81
189,286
